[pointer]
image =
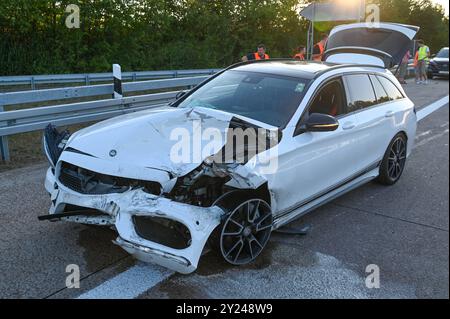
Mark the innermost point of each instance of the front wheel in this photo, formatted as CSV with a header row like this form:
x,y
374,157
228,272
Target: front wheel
x,y
394,161
246,231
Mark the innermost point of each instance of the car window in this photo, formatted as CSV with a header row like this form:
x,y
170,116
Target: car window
x,y
360,92
381,95
267,98
329,100
443,54
392,91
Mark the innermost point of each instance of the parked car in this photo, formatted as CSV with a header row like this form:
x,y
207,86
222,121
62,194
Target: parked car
x,y
438,66
322,130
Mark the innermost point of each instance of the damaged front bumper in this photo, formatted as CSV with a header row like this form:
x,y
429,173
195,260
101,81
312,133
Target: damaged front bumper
x,y
122,211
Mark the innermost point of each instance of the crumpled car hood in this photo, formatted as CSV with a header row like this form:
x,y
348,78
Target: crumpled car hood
x,y
147,138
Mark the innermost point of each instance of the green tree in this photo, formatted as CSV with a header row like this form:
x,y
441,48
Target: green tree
x,y
169,34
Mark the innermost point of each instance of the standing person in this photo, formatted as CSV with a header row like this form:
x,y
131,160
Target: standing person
x,y
416,65
319,48
423,55
404,68
260,54
301,51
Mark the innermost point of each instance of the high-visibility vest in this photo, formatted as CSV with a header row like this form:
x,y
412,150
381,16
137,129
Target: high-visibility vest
x,y
299,56
257,57
423,55
318,57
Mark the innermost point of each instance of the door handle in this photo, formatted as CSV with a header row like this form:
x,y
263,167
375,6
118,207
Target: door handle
x,y
348,125
389,114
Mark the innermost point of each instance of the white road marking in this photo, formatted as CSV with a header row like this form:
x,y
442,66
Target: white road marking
x,y
130,283
423,134
429,139
142,277
426,111
423,113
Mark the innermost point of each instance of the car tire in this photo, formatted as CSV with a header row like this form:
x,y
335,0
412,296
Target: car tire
x,y
394,161
244,231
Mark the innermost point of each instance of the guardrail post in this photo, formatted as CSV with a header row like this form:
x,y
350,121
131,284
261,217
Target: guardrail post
x,y
117,74
87,80
33,83
4,148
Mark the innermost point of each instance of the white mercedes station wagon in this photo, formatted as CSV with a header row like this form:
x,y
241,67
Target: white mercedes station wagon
x,y
245,152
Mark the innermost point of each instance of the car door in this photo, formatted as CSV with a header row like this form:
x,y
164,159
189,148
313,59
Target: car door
x,y
371,124
314,163
376,123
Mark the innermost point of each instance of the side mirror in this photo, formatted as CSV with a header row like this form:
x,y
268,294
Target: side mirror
x,y
317,122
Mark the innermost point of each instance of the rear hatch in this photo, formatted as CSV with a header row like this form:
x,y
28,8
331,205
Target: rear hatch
x,y
382,44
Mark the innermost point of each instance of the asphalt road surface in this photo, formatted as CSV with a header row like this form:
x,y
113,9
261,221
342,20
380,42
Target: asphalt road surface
x,y
403,230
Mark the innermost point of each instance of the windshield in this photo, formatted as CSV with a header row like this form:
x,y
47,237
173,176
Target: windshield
x,y
266,98
443,54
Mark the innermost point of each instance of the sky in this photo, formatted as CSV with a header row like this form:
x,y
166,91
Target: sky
x,y
444,3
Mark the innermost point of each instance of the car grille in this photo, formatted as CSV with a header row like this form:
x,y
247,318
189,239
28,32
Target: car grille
x,y
72,182
443,66
87,182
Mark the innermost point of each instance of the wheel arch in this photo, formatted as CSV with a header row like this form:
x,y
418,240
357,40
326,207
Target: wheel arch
x,y
402,131
233,198
239,195
405,134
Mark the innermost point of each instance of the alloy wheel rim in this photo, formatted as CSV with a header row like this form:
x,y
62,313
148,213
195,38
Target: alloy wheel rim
x,y
397,158
246,232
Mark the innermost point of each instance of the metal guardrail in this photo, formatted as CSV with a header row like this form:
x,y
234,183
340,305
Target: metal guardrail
x,y
32,119
87,79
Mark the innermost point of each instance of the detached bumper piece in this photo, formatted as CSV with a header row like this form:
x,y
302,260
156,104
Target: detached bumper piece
x,y
151,228
155,256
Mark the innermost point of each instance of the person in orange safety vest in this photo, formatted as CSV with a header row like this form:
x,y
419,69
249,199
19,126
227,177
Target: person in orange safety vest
x,y
319,48
259,55
301,53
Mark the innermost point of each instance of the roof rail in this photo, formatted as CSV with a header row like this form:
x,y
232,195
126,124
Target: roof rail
x,y
235,65
342,66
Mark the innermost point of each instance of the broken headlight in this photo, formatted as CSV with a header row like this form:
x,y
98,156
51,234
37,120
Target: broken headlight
x,y
54,143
